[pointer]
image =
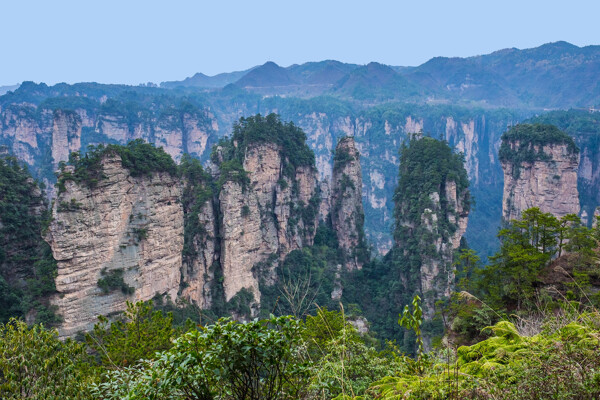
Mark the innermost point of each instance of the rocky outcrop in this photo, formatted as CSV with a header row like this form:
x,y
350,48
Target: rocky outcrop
x,y
262,219
200,251
66,135
126,229
539,172
432,209
347,215
437,271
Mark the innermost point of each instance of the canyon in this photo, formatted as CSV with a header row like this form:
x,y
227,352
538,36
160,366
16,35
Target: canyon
x,y
243,207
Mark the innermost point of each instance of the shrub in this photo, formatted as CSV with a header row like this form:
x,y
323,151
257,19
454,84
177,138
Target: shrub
x,y
113,280
35,364
255,360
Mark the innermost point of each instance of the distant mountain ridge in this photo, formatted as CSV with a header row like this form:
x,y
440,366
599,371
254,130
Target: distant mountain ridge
x,y
554,75
204,81
468,101
5,89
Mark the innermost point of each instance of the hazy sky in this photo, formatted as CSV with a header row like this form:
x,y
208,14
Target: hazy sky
x,y
129,41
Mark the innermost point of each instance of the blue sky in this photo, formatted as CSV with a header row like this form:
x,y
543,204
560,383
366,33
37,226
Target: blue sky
x,y
130,41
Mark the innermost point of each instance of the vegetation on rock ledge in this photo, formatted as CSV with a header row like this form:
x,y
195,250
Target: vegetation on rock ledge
x,y
140,158
524,143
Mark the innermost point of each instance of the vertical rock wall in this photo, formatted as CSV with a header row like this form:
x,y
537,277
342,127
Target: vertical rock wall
x,y
540,175
66,135
260,222
198,273
347,215
129,225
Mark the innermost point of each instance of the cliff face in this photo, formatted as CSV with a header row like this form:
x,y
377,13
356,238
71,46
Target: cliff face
x,y
200,251
378,132
261,219
66,135
539,174
129,227
29,132
437,273
347,216
432,209
177,131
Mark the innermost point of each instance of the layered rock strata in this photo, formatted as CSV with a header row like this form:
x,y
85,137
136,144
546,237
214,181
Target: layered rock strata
x,y
198,270
261,218
125,226
66,135
542,175
347,215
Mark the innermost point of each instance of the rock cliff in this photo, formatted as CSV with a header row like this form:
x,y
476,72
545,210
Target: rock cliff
x,y
432,208
127,226
540,165
119,240
180,127
67,125
66,135
201,247
347,215
264,217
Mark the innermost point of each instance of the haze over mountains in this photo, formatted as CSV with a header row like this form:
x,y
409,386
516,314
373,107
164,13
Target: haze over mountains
x,y
469,102
554,75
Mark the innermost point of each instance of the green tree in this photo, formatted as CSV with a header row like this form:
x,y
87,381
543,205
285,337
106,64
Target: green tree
x,y
35,364
343,363
528,244
227,360
563,229
27,268
467,263
138,334
413,320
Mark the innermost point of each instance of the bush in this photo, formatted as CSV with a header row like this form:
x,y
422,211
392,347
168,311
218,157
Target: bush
x,y
255,360
35,364
140,158
113,280
139,333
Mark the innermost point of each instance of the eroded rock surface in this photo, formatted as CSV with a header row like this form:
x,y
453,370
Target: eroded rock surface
x,y
129,224
549,183
261,222
347,215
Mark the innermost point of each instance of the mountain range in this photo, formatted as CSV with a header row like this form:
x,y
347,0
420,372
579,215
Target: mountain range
x,y
469,102
554,75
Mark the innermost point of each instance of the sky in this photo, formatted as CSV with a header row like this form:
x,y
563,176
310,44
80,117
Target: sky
x,y
132,42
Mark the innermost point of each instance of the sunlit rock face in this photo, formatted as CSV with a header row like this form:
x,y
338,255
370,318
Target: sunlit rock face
x,y
133,225
546,178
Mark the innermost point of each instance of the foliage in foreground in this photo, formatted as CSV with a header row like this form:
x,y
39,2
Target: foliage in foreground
x,y
564,364
35,364
256,360
283,358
